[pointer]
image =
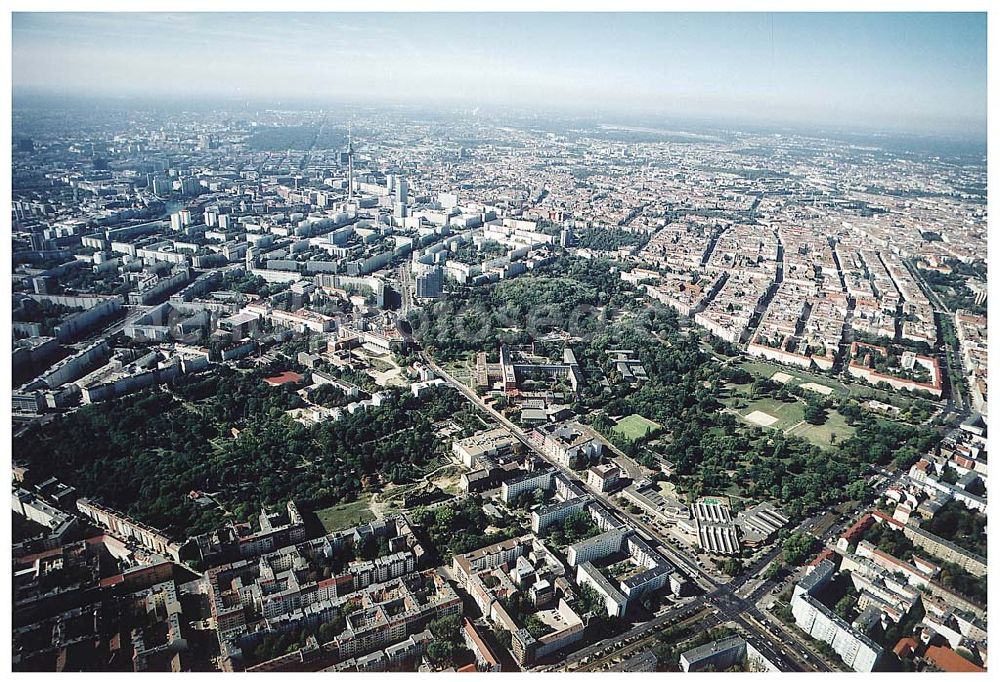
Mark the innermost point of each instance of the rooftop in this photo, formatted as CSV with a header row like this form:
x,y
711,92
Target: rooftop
x,y
285,378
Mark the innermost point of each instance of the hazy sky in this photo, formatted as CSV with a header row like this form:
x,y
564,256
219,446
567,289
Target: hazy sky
x,y
921,72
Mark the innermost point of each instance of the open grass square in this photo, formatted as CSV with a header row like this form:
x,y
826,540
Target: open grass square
x,y
792,377
784,414
634,427
345,515
820,435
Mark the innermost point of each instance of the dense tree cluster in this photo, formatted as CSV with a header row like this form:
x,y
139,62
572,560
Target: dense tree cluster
x,y
952,576
447,647
105,283
589,601
280,642
797,548
575,295
609,239
956,578
952,287
890,541
960,525
815,412
847,606
575,527
709,449
518,605
248,283
329,395
461,527
890,363
897,347
472,254
675,640
297,137
144,454
593,609
43,311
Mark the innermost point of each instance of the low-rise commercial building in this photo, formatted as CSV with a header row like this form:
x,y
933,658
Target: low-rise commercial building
x,y
492,443
714,526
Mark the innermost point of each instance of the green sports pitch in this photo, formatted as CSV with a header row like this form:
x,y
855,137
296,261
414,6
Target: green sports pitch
x,y
634,427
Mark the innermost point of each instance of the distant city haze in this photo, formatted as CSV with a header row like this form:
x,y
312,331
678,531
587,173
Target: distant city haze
x,y
920,73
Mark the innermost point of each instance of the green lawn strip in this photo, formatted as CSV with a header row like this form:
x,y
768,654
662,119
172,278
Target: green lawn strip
x,y
788,414
635,426
344,515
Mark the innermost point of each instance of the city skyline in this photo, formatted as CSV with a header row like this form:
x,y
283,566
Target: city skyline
x,y
914,73
499,342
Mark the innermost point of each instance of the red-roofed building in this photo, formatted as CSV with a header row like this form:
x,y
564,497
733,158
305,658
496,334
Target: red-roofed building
x,y
113,580
826,555
470,668
336,586
486,660
29,559
919,471
905,647
928,567
882,517
950,661
285,378
964,462
894,564
854,533
861,370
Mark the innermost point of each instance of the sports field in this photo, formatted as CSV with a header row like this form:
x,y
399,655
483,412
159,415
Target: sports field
x,y
760,418
788,417
784,414
634,427
792,377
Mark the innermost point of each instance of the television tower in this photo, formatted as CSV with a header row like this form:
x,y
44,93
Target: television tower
x,y
350,164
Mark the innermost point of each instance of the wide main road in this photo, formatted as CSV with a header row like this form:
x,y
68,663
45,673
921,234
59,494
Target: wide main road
x,y
719,594
704,580
692,611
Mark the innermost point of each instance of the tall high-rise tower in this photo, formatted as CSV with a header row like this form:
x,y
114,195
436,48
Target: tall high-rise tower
x,y
350,163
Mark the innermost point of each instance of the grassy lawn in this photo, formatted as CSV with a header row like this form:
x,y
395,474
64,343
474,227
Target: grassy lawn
x,y
738,389
734,490
788,414
381,365
395,490
768,370
634,426
344,515
462,369
667,489
859,390
448,479
820,435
